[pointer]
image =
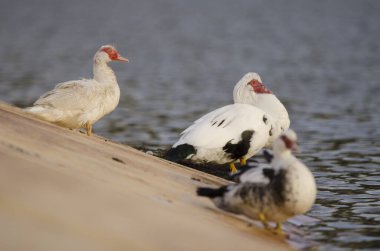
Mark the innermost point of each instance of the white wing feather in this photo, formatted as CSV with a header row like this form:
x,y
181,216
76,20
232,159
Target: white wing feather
x,y
255,175
80,95
225,124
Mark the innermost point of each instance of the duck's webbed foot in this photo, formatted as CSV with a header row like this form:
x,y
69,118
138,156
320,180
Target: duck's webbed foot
x,y
233,168
278,228
264,221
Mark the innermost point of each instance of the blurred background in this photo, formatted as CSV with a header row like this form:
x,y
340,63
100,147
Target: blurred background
x,y
321,58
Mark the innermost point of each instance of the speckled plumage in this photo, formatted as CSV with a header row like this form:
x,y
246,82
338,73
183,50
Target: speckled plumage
x,y
276,191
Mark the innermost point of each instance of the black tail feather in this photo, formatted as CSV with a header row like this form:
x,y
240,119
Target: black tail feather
x,y
211,192
180,152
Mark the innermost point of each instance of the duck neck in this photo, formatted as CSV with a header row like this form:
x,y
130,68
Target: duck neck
x,y
267,102
281,157
270,104
103,73
242,96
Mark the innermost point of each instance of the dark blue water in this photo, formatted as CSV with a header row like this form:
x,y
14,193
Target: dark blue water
x,y
322,58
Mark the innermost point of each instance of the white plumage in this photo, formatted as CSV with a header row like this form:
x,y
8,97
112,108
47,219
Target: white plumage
x,y
221,136
250,90
274,192
80,103
227,125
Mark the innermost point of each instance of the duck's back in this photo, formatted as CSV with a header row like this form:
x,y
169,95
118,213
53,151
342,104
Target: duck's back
x,y
73,103
219,130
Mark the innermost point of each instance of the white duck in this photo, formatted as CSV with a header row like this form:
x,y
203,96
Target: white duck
x,y
274,192
80,103
250,90
233,132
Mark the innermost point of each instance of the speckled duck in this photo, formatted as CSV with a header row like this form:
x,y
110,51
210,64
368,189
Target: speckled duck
x,y
273,192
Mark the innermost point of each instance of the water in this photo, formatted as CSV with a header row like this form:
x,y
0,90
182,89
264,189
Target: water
x,y
321,58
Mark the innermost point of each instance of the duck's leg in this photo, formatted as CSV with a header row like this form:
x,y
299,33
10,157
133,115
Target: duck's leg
x,y
243,161
233,168
263,220
278,228
89,129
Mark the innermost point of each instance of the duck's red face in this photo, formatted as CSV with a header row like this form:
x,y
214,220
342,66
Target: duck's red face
x,y
259,87
290,144
114,54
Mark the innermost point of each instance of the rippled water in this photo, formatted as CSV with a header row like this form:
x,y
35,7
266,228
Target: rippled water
x,y
321,58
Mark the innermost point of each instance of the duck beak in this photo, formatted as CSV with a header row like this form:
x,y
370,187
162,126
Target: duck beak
x,y
122,59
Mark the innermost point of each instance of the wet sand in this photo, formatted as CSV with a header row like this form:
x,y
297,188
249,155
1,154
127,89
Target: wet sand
x,y
63,190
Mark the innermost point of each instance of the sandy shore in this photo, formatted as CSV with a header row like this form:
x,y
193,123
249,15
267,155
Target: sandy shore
x,y
63,190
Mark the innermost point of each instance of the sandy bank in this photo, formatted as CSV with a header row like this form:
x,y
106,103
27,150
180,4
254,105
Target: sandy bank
x,y
63,190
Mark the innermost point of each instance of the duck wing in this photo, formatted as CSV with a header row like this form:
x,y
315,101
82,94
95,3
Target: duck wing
x,y
72,95
224,125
